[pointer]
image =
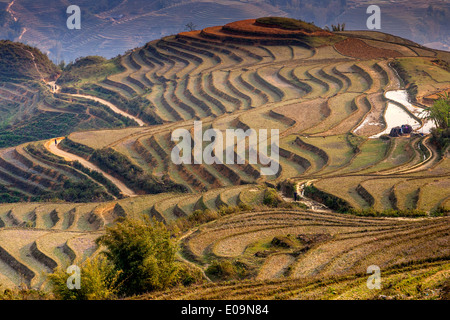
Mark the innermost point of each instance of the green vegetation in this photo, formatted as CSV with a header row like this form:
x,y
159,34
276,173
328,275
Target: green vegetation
x,y
99,177
439,113
17,63
76,148
136,106
98,281
441,138
272,198
226,270
45,125
118,165
11,196
80,191
92,68
335,28
84,190
327,199
199,217
143,255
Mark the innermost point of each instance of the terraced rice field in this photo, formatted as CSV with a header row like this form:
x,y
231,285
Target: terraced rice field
x,y
58,235
402,283
337,249
327,106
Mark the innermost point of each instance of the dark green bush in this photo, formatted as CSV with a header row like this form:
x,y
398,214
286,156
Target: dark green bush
x,y
134,177
143,254
272,198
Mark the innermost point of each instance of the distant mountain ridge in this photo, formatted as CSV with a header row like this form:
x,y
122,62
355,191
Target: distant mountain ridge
x,y
110,28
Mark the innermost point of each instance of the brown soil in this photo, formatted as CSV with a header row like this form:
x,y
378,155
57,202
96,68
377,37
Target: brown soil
x,y
306,114
357,48
247,30
429,99
250,27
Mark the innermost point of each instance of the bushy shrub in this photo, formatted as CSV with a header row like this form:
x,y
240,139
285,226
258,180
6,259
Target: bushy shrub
x,y
98,281
272,198
189,275
203,216
223,270
143,253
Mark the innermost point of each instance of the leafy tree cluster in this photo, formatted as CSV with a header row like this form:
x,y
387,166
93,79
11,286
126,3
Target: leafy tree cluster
x,y
82,191
99,177
139,257
226,270
10,196
88,67
439,113
272,198
338,27
42,126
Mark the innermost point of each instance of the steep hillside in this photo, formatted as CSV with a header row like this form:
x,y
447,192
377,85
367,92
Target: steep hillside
x,y
32,109
365,198
22,62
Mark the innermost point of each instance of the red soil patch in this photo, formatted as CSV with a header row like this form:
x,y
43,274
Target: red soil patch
x,y
357,48
429,99
250,27
247,30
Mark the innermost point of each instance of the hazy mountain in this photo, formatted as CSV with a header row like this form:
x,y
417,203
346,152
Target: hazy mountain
x,y
111,27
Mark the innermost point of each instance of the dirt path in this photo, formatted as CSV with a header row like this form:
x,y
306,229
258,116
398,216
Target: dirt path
x,y
111,106
426,163
55,89
180,255
312,205
53,148
35,65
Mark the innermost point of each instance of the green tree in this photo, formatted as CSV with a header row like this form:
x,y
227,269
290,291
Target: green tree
x,y
144,254
439,112
98,281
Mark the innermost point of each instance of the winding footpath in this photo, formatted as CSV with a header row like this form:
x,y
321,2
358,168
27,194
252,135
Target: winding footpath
x,y
109,105
53,148
55,89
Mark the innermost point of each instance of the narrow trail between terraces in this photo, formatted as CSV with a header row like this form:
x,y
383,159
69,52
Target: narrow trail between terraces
x,y
55,89
53,148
